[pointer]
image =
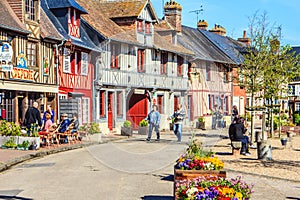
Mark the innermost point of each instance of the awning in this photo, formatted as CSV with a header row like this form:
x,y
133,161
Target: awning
x,y
75,94
27,86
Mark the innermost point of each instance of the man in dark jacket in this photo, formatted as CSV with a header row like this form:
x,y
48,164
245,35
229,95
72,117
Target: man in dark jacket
x,y
237,132
32,116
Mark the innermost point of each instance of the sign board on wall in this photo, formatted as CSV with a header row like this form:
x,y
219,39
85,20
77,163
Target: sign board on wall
x,y
6,54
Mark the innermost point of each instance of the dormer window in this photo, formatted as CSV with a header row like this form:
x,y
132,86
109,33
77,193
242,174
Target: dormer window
x,y
74,22
148,27
31,9
140,26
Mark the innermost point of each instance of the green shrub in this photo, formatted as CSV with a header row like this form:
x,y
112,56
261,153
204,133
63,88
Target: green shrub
x,y
94,128
9,129
10,143
127,124
200,119
143,123
297,118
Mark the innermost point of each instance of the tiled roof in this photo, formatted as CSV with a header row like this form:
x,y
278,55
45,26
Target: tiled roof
x,y
127,8
98,20
47,28
193,40
231,49
9,20
54,4
163,44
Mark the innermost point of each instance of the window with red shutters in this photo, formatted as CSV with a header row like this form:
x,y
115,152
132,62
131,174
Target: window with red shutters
x,y
160,103
114,56
163,63
179,66
140,26
148,27
141,60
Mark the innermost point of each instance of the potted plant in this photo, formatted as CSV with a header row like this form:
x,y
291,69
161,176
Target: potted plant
x,y
126,129
197,162
94,131
201,188
200,124
143,127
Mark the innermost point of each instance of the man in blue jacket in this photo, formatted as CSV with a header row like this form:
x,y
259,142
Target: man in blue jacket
x,y
153,119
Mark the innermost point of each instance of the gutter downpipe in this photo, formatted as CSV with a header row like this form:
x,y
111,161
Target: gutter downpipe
x,y
57,46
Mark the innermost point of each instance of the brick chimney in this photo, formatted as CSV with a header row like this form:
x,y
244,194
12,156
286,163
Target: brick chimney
x,y
173,14
244,39
218,29
202,25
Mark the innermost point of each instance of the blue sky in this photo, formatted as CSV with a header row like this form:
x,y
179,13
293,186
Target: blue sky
x,y
234,15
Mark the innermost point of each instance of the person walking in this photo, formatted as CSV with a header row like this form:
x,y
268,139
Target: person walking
x,y
32,118
235,112
178,117
153,119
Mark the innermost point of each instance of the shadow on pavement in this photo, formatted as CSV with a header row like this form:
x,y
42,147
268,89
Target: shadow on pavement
x,y
168,178
13,197
154,197
297,198
224,153
211,135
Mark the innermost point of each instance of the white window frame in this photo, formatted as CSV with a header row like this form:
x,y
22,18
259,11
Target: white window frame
x,y
67,61
85,102
84,63
76,63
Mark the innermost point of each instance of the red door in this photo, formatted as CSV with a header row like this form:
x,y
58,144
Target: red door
x,y
110,113
138,109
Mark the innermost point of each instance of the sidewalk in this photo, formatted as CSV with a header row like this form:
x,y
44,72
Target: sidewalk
x,y
9,158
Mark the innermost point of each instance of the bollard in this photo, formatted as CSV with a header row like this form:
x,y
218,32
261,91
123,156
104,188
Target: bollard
x,y
264,150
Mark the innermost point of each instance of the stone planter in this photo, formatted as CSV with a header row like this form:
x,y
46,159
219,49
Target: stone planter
x,y
126,131
191,174
95,137
200,125
21,139
143,130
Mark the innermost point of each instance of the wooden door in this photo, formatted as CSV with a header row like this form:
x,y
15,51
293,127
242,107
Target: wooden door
x,y
138,109
110,112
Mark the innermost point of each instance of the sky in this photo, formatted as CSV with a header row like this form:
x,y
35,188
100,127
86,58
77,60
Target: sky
x,y
234,15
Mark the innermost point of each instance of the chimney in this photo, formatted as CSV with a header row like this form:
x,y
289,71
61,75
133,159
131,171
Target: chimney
x,y
173,14
244,39
218,29
202,25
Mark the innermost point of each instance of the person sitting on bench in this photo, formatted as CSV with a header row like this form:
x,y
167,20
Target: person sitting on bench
x,y
237,132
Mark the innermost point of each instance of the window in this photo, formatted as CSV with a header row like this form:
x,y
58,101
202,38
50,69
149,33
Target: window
x,y
67,61
163,63
76,63
62,96
114,56
30,8
31,54
119,104
84,63
85,110
141,60
160,103
226,75
208,72
102,104
176,98
148,27
179,66
140,26
209,102
297,108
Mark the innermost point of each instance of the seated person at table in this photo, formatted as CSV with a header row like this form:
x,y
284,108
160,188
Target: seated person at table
x,y
64,124
75,123
48,123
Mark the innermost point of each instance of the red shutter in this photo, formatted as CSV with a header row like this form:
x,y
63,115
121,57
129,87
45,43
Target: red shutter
x,y
143,61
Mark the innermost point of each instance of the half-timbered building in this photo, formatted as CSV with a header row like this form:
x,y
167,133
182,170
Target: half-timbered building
x,y
76,58
28,67
137,67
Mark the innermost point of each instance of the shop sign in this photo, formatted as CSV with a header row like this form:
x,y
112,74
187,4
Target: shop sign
x,y
23,74
6,54
22,61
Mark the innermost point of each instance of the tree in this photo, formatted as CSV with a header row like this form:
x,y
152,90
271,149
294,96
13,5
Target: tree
x,y
267,67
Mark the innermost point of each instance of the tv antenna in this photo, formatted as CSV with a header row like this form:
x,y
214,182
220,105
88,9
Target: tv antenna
x,y
197,12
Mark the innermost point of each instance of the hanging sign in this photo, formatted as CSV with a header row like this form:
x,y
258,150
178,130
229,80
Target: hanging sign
x,y
46,66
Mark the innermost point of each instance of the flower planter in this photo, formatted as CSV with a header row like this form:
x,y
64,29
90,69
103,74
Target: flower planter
x,y
143,130
21,139
192,174
126,131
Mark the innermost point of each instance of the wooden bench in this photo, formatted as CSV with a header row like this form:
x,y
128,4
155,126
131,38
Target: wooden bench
x,y
236,147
